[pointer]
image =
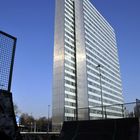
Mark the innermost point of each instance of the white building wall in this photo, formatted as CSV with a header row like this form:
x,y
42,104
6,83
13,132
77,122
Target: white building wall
x,y
84,40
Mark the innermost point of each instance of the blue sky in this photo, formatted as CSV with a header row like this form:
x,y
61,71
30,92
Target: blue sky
x,y
32,22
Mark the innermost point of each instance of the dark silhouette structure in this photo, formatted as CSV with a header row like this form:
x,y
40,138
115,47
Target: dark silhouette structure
x,y
8,126
109,129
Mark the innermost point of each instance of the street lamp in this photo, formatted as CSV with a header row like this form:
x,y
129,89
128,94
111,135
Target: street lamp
x,y
48,117
99,68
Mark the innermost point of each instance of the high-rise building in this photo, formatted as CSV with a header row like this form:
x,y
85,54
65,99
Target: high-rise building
x,y
86,71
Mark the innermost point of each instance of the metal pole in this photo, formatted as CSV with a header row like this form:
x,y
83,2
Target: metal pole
x,y
100,75
88,113
48,116
31,127
34,126
105,113
122,111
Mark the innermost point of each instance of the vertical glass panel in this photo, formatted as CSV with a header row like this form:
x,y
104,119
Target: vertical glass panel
x,y
6,52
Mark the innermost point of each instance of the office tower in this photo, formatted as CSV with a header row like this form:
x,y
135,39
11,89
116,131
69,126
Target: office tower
x,y
7,52
86,71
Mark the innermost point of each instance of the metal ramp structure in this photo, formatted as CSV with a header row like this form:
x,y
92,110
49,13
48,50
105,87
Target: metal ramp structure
x,y
8,126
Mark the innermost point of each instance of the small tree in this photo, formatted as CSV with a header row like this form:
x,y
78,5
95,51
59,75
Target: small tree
x,y
42,124
16,109
27,121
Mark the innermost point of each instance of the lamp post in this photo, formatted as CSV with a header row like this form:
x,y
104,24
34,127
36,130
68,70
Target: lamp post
x,y
100,75
48,117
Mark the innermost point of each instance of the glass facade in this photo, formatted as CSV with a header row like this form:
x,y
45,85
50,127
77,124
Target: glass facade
x,y
84,40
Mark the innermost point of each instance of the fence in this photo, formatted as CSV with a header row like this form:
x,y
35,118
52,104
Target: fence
x,y
109,111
